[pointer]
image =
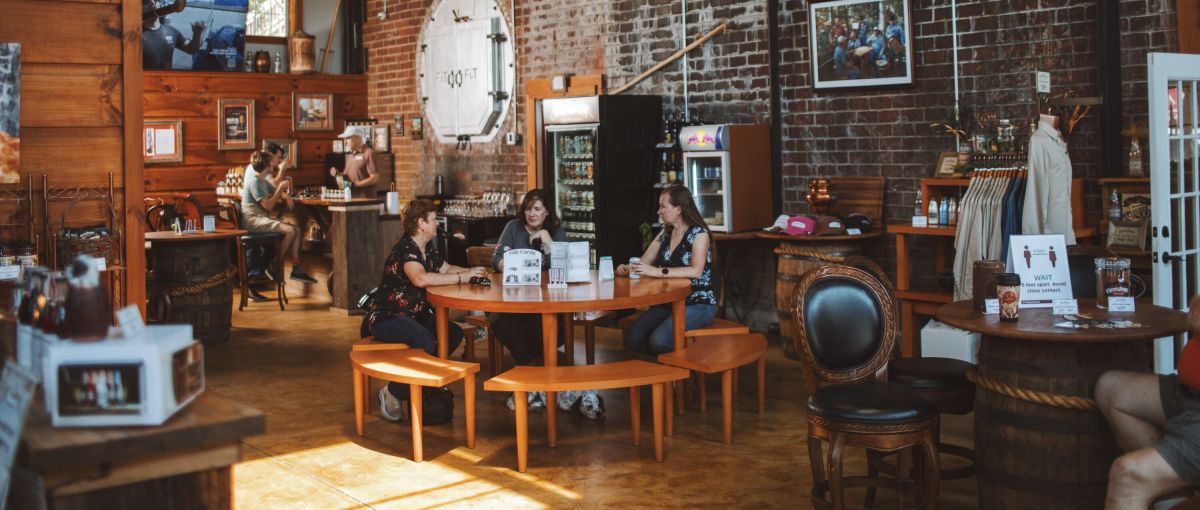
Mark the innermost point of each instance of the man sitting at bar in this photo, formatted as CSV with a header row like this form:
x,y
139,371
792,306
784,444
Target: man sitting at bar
x,y
1156,420
261,194
360,166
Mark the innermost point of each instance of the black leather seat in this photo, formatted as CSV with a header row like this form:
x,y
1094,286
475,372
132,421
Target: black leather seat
x,y
262,237
930,373
871,402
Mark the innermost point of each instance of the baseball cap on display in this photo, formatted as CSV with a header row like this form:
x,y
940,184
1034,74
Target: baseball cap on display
x,y
829,226
799,225
859,221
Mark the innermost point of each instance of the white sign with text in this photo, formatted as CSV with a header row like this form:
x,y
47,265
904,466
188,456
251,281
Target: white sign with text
x,y
1041,261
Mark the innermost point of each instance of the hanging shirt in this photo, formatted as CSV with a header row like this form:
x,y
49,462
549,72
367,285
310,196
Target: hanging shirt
x,y
1047,207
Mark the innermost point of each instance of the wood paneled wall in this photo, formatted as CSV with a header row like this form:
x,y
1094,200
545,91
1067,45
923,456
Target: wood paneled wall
x,y
81,83
192,97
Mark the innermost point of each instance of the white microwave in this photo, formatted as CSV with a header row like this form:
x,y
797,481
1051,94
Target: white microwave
x,y
120,381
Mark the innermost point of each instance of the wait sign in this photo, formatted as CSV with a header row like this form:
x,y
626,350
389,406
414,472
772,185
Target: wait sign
x,y
1041,261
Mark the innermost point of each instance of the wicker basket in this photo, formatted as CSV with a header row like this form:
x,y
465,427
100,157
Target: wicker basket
x,y
67,248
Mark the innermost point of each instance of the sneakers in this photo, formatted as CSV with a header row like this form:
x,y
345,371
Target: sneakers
x,y
299,275
255,296
535,401
389,407
592,405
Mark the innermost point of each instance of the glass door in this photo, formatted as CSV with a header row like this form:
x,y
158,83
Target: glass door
x,y
572,159
706,178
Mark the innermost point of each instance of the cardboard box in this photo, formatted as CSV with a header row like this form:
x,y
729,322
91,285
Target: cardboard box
x,y
941,341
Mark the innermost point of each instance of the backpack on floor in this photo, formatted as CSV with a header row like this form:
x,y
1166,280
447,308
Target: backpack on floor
x,y
437,405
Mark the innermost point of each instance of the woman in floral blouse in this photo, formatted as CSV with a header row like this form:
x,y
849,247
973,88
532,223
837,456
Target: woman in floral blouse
x,y
402,312
681,250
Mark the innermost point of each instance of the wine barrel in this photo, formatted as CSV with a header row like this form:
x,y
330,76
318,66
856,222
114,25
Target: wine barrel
x,y
795,259
178,265
1031,455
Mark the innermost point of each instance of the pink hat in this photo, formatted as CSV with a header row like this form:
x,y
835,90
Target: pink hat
x,y
800,225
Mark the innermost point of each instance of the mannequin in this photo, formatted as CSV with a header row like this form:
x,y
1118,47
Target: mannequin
x,y
1047,207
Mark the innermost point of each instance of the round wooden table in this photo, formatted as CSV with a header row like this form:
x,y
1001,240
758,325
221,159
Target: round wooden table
x,y
617,294
195,271
1040,441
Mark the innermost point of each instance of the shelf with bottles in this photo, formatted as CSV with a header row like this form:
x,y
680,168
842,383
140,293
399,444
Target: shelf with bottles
x,y
585,156
1132,199
575,171
577,182
574,145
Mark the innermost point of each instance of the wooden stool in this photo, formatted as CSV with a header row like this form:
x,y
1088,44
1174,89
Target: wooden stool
x,y
396,363
630,374
495,352
723,354
588,320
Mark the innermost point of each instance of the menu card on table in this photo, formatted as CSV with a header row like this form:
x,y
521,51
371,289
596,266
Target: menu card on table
x,y
522,267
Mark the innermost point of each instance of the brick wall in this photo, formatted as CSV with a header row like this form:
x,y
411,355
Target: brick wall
x,y
830,133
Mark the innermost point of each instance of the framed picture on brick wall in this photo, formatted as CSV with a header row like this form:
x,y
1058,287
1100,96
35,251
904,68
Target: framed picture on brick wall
x,y
860,43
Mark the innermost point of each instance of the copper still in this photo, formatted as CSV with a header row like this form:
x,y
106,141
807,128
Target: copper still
x,y
818,197
302,53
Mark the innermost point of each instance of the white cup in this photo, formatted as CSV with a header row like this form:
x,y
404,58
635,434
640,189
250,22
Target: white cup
x,y
632,261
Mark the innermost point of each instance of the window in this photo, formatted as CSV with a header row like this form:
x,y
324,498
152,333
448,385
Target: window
x,y
267,18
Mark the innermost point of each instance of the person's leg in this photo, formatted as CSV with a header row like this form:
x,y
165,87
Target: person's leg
x,y
513,331
1138,477
662,339
402,330
1133,403
429,339
291,244
637,339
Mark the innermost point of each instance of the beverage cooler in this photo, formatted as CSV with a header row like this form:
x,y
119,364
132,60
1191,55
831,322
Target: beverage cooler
x,y
598,164
728,170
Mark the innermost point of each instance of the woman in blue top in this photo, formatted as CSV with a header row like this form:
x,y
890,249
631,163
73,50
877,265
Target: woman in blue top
x,y
681,250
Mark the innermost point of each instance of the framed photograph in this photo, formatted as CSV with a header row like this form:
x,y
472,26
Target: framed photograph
x,y
416,128
162,141
399,123
860,43
338,147
1128,236
380,139
947,163
289,149
312,112
235,124
10,113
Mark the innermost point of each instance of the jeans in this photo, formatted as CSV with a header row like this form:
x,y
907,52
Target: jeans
x,y
653,333
416,334
521,333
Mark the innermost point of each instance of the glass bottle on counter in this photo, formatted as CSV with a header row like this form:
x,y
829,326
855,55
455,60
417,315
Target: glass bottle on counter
x,y
933,212
917,209
1114,206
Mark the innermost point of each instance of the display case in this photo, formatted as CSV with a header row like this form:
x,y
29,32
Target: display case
x,y
728,170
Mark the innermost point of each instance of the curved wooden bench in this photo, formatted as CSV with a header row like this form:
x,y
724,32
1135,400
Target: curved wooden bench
x,y
723,354
397,363
718,327
625,374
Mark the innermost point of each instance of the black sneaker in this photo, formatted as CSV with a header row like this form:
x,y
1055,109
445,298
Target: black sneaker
x,y
299,275
256,297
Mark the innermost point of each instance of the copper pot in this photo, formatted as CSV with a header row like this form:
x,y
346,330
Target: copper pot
x,y
262,61
818,196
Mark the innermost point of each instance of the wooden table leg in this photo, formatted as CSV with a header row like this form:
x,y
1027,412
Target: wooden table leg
x,y
668,389
635,413
568,320
657,395
358,402
549,339
762,383
908,329
551,421
442,314
522,428
727,404
469,395
415,412
678,318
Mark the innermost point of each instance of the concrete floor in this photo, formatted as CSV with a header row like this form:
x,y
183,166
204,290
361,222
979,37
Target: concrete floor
x,y
293,366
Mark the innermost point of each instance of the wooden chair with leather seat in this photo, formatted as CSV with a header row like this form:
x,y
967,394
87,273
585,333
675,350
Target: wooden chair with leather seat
x,y
250,240
845,330
943,379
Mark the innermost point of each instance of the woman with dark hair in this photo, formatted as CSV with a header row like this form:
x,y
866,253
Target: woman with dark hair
x,y
402,312
681,250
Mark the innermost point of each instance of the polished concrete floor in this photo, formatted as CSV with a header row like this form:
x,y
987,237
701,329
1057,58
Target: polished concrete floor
x,y
293,366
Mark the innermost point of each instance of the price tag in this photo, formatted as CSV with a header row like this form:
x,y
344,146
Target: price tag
x,y
991,306
1043,82
1065,306
130,320
1120,304
100,263
853,232
10,272
921,221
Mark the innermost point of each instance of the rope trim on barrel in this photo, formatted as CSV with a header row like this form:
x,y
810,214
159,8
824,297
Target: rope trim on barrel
x,y
1037,397
197,288
824,257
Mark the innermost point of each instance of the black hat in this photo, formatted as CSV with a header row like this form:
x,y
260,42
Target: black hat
x,y
859,221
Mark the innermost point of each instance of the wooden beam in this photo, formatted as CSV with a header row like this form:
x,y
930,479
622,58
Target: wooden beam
x,y
134,257
295,16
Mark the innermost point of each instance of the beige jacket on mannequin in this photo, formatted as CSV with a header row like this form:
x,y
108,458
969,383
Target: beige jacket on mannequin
x,y
1048,189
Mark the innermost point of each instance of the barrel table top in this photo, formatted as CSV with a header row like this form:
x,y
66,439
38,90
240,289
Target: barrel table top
x,y
167,236
1037,324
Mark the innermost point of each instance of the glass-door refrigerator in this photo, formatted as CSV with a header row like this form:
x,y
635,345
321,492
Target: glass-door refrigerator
x,y
728,170
598,164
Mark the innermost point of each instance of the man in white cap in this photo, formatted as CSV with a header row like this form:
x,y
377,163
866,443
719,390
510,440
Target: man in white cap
x,y
360,165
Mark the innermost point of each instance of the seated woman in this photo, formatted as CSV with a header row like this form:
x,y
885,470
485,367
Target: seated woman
x,y
402,312
681,250
537,228
264,190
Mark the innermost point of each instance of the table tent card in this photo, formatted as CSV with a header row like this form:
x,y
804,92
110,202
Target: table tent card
x,y
522,267
1041,260
570,263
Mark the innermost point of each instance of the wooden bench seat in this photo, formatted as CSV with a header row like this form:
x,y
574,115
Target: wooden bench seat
x,y
723,354
625,374
397,363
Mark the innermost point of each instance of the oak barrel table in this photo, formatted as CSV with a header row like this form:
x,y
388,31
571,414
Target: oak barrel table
x,y
1040,442
198,274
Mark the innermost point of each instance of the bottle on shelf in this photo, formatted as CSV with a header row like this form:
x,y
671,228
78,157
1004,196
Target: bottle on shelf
x,y
933,212
918,210
944,212
1114,206
953,211
1135,159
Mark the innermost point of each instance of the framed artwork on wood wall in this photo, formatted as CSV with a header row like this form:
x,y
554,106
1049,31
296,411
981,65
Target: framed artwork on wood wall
x,y
860,43
235,124
312,112
289,149
380,139
162,141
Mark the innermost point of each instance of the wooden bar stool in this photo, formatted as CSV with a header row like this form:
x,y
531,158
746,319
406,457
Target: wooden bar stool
x,y
588,320
722,354
395,363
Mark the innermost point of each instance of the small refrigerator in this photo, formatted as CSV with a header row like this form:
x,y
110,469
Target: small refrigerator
x,y
728,170
598,165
